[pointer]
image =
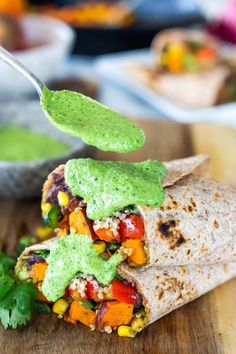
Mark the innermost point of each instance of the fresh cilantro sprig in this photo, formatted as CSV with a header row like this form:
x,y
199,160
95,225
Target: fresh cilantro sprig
x,y
18,300
16,307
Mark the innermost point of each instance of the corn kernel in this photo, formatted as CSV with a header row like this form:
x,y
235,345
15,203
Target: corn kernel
x,y
60,306
44,232
46,207
140,313
138,324
100,246
63,199
126,331
176,50
108,296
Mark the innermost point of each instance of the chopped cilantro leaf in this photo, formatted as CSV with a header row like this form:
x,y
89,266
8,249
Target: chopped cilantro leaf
x,y
24,241
17,306
7,262
6,282
118,277
17,299
42,253
41,307
89,304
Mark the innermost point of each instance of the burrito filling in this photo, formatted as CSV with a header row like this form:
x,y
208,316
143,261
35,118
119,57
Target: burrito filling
x,y
98,199
188,56
84,289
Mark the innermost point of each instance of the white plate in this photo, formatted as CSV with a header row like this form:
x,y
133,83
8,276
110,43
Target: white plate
x,y
113,67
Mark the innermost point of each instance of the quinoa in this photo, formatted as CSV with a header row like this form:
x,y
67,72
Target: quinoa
x,y
126,251
108,329
79,284
111,223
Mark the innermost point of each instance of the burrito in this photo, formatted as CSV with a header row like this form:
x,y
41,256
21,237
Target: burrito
x,y
187,59
90,289
193,224
180,50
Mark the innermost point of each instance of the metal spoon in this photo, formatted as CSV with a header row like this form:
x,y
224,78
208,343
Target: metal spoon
x,y
18,66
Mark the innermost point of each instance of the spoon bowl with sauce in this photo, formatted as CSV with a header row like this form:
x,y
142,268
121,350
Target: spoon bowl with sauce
x,y
81,116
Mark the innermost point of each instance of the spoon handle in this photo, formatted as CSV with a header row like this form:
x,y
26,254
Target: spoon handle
x,y
18,66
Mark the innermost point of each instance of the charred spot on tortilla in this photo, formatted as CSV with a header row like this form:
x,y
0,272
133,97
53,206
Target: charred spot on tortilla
x,y
164,227
216,196
161,293
184,270
171,284
173,204
168,231
180,240
191,207
204,249
192,202
188,209
165,207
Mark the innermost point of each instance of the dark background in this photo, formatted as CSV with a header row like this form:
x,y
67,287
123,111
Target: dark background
x,y
150,17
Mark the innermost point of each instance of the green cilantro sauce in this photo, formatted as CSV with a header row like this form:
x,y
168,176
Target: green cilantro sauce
x,y
70,255
20,144
95,124
109,186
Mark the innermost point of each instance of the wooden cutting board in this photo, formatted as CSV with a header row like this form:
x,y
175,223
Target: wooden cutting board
x,y
207,325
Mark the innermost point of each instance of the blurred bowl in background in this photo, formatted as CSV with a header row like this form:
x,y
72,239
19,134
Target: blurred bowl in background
x,y
25,179
48,42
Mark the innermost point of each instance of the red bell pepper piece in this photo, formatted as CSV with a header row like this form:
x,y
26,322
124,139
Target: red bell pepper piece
x,y
123,292
92,290
131,227
206,54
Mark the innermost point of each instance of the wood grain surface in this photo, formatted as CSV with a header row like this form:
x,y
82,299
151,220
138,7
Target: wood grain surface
x,y
207,325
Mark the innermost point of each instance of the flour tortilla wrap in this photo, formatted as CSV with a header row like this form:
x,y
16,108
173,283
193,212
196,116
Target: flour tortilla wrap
x,y
185,89
196,222
164,289
43,246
